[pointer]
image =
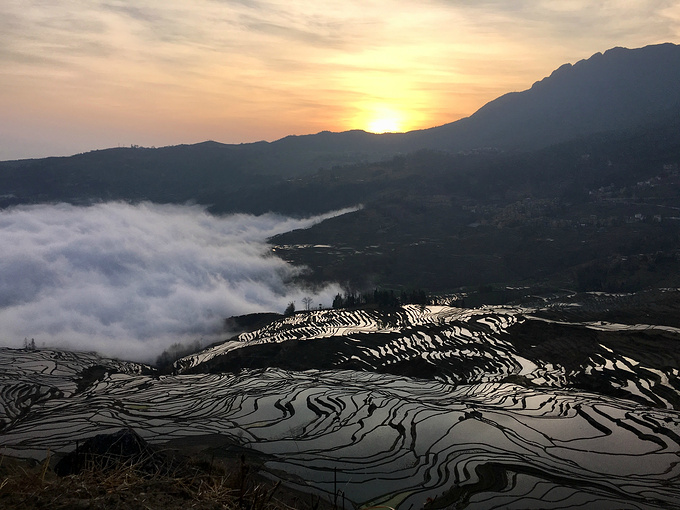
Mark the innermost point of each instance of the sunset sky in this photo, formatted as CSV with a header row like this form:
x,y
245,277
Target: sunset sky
x,y
77,75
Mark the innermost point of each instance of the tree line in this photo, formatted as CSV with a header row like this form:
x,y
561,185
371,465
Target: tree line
x,y
382,298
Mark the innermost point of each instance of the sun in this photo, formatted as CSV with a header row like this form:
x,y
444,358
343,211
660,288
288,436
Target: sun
x,y
384,125
382,119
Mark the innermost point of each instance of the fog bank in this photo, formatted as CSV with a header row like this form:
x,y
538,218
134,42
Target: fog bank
x,y
130,280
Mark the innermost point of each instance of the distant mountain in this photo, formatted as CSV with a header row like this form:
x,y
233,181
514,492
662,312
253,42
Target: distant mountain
x,y
617,90
596,211
205,173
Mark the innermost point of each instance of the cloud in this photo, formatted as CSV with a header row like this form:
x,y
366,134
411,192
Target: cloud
x,y
604,22
153,73
130,280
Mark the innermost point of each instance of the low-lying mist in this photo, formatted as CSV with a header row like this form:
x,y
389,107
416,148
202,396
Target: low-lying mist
x,y
130,280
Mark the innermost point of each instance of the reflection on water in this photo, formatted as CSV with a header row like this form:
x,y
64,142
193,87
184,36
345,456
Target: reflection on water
x,y
380,438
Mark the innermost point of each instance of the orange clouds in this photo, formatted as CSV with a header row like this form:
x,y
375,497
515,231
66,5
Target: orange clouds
x,y
178,71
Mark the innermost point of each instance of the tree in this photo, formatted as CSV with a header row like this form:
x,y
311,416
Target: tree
x,y
338,302
290,309
307,301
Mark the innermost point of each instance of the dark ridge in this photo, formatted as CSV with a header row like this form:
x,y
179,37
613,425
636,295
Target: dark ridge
x,y
250,322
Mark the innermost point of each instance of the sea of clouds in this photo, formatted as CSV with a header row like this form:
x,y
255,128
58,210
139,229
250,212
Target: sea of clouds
x,y
128,281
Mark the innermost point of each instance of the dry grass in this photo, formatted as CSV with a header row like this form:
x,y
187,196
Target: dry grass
x,y
193,485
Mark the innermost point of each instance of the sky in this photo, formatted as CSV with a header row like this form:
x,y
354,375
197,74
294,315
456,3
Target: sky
x,y
79,75
129,281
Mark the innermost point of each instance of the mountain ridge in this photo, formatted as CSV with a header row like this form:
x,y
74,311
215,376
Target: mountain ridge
x,y
546,113
651,72
580,212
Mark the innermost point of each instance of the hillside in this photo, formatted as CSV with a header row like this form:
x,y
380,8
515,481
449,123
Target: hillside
x,y
599,213
596,213
554,399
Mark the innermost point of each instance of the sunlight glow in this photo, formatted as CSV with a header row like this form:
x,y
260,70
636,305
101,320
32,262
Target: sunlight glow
x,y
384,125
383,120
